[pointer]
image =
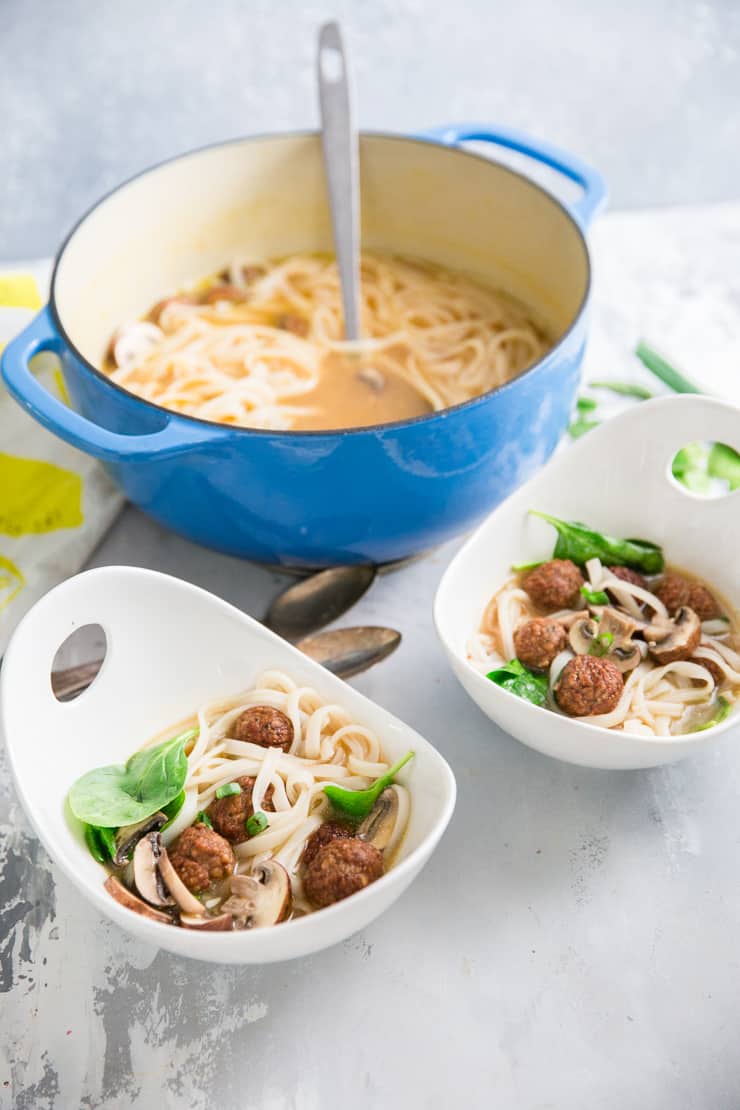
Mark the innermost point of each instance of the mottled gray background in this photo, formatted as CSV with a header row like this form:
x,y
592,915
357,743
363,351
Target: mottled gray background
x,y
573,943
90,93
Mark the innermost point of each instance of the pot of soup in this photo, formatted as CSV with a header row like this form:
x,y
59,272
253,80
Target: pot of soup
x,y
197,315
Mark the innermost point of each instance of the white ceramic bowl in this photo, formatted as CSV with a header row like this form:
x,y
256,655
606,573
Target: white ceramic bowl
x,y
171,647
617,479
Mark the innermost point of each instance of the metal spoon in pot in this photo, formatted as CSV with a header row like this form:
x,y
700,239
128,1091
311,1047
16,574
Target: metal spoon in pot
x,y
341,165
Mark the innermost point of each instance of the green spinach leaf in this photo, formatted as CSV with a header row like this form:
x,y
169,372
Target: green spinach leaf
x,y
358,803
122,795
580,543
517,679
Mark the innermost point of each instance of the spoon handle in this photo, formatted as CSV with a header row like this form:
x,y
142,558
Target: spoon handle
x,y
341,163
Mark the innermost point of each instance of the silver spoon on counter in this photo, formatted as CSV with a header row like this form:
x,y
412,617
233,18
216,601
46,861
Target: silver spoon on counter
x,y
297,614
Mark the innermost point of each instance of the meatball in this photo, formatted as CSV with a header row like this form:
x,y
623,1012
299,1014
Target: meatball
x,y
289,321
230,815
538,642
714,669
201,857
673,591
263,725
341,868
588,685
325,834
554,585
702,601
626,574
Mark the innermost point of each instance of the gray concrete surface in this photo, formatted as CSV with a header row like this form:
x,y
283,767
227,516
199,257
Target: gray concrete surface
x,y
90,93
573,943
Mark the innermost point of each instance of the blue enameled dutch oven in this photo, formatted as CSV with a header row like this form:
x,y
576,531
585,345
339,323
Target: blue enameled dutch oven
x,y
317,498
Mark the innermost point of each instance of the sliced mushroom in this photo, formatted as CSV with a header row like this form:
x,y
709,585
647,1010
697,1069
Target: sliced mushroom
x,y
612,634
377,828
373,377
128,836
672,639
262,898
128,899
223,923
187,901
147,875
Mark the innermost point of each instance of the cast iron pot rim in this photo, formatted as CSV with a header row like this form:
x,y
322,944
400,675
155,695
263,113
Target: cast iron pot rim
x,y
394,425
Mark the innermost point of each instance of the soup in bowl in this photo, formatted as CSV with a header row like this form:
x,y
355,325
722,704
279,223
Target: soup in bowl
x,y
227,406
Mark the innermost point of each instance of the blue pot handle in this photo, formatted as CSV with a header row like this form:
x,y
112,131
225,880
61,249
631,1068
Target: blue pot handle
x,y
41,335
570,165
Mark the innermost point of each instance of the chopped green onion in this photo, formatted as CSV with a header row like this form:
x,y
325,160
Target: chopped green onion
x,y
519,568
723,711
586,404
579,427
601,645
202,818
227,789
595,597
663,370
624,389
257,823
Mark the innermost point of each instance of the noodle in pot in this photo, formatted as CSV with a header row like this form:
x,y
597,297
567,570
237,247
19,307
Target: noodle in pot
x,y
262,346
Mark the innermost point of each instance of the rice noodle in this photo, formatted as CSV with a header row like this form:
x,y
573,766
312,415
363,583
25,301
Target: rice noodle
x,y
328,747
656,698
232,361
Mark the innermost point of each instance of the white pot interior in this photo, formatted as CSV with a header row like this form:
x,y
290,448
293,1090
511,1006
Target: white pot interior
x,y
266,197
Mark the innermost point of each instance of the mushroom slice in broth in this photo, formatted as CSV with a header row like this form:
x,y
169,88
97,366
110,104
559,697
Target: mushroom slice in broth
x,y
262,898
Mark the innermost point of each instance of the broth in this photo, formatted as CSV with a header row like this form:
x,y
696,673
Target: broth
x,y
261,345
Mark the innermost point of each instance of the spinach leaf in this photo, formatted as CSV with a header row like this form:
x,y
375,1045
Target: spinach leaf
x,y
624,389
580,543
724,462
172,808
100,842
664,371
122,795
358,803
515,678
723,711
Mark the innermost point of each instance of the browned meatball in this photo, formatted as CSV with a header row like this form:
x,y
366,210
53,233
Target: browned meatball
x,y
714,669
703,602
289,321
325,834
673,591
588,685
627,574
263,725
230,815
201,857
538,642
341,868
554,585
